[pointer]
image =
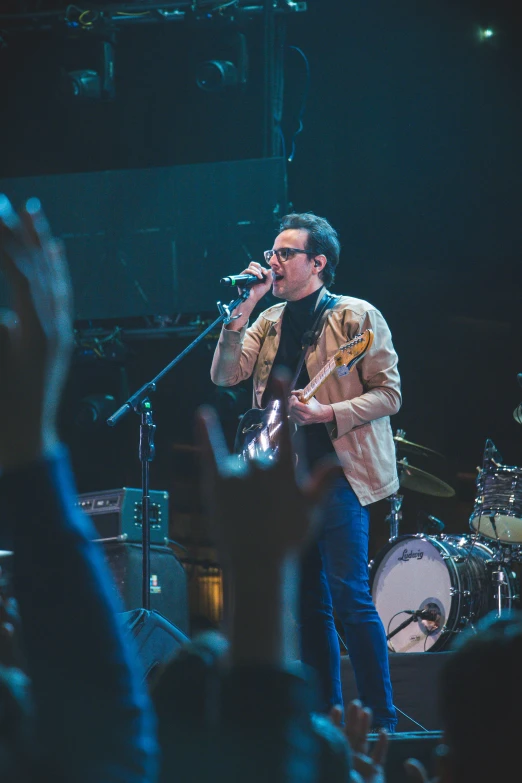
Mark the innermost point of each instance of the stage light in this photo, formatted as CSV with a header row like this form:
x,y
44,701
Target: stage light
x,y
485,33
225,72
93,84
84,84
216,75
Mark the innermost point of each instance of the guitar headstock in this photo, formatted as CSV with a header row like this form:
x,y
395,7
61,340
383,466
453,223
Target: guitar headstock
x,y
349,354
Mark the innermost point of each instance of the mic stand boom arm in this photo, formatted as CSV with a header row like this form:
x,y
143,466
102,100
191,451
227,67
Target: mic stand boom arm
x,y
140,404
402,625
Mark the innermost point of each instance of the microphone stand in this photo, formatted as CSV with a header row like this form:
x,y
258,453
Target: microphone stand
x,y
140,403
411,619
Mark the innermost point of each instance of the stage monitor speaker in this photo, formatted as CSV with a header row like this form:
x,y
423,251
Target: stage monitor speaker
x,y
168,581
155,638
415,678
417,745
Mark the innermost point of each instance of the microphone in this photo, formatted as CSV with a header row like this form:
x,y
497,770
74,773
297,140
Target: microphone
x,y
423,614
437,524
426,523
242,280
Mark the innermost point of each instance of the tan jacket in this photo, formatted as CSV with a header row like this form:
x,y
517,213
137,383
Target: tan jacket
x,y
363,400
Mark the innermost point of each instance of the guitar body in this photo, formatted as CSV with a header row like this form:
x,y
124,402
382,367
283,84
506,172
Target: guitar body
x,y
257,436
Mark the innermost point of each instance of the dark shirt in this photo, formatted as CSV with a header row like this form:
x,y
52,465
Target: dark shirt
x,y
298,318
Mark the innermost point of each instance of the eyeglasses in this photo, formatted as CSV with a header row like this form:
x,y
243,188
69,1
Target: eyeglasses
x,y
284,253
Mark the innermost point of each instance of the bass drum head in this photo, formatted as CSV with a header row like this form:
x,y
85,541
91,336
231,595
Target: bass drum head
x,y
412,573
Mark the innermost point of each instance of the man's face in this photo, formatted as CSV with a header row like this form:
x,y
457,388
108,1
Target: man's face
x,y
294,278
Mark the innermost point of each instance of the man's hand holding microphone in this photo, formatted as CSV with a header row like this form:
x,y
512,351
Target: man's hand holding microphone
x,y
256,292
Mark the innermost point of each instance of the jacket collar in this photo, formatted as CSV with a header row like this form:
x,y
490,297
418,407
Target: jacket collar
x,y
275,312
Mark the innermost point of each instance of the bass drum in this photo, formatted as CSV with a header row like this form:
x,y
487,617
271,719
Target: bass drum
x,y
451,576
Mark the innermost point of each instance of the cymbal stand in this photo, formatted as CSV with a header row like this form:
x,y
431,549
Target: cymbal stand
x,y
499,580
501,561
394,518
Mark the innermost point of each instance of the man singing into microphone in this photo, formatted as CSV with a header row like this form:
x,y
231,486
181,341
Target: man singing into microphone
x,y
348,419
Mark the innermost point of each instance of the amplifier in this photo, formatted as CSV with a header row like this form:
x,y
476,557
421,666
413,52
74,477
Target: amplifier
x,y
116,514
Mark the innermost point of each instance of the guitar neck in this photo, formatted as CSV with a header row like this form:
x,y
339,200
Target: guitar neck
x,y
318,380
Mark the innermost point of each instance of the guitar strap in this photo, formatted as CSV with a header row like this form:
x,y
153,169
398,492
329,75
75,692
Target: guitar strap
x,y
310,336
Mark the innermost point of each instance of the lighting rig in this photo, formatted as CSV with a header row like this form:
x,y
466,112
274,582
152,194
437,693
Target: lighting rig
x,y
92,15
100,23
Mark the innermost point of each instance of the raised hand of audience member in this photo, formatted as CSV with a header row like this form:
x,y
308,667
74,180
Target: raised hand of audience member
x,y
260,509
264,518
369,765
35,337
416,772
93,719
10,655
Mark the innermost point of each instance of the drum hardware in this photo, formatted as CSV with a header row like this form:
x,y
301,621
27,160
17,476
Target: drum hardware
x,y
430,614
460,577
395,516
517,413
455,558
499,581
497,513
401,444
414,478
427,523
421,481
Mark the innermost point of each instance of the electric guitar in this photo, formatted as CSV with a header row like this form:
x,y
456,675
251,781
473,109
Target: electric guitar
x,y
258,431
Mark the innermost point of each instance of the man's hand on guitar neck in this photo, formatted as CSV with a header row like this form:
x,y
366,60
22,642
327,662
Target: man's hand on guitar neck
x,y
312,412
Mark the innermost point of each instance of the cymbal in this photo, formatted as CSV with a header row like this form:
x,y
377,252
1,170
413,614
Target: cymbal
x,y
415,448
421,481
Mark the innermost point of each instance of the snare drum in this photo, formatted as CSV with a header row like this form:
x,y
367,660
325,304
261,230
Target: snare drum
x,y
449,575
498,507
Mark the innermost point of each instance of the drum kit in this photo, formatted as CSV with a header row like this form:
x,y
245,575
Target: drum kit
x,y
427,588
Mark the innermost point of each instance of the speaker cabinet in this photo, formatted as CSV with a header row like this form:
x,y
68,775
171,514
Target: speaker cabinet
x,y
168,582
415,678
154,637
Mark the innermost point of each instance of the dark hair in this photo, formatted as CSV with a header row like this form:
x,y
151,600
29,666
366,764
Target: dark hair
x,y
322,240
480,690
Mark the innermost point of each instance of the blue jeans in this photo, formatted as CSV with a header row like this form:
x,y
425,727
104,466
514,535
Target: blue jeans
x,y
335,573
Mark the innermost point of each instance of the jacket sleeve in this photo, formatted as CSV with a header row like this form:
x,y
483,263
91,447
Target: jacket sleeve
x,y
380,379
93,716
236,353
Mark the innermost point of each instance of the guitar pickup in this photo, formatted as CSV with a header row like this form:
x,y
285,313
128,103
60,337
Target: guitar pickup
x,y
252,427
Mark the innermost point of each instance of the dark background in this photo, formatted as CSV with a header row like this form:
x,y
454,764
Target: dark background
x,y
411,147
